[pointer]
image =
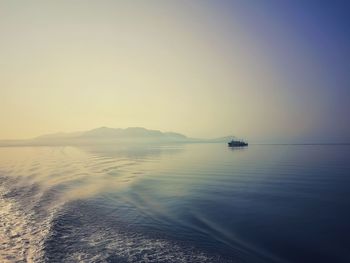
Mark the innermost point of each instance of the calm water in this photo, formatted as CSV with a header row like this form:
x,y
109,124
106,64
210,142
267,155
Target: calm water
x,y
181,203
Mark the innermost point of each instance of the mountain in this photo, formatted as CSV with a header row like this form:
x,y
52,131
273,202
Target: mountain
x,y
132,133
105,135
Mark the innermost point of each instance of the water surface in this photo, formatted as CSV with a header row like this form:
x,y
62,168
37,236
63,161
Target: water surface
x,y
177,203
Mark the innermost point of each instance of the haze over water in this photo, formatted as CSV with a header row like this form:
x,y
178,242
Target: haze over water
x,y
177,203
195,73
268,71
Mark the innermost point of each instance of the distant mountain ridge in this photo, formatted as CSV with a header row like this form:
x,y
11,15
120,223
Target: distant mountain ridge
x,y
106,135
131,132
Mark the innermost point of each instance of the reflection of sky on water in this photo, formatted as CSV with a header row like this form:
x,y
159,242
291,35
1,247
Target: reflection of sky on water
x,y
252,203
81,172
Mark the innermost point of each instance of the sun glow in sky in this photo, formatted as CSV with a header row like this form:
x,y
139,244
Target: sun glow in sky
x,y
262,70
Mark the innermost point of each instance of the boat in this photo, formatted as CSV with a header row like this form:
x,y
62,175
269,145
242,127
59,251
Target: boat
x,y
239,143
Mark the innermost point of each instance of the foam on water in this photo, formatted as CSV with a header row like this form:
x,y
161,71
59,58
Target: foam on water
x,y
23,233
46,215
79,234
72,232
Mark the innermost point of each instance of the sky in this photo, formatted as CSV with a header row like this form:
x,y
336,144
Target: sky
x,y
266,71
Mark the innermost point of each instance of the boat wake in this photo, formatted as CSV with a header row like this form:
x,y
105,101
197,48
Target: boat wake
x,y
24,224
38,228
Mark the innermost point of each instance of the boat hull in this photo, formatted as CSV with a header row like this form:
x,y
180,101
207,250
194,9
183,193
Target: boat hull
x,y
237,144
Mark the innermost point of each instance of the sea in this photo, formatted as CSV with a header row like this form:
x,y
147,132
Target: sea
x,y
200,202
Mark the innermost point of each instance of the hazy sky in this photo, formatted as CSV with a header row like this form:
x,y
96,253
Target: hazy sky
x,y
262,70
